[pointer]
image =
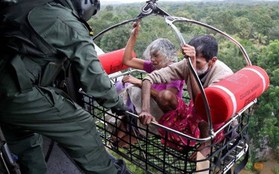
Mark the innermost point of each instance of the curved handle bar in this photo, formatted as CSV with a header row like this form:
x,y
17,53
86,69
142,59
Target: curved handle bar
x,y
194,138
206,105
114,26
174,19
149,8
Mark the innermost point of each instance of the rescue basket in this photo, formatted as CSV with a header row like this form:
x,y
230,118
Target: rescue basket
x,y
156,153
152,153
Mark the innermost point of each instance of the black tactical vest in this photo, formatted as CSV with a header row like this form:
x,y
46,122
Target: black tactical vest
x,y
21,47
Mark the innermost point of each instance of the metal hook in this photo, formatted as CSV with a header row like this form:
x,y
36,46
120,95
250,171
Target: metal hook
x,y
151,8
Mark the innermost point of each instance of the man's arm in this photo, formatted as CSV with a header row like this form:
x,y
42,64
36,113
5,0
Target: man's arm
x,y
75,42
138,82
175,71
190,51
195,90
145,117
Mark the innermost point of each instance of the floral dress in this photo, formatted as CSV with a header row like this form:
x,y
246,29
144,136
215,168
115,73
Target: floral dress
x,y
185,120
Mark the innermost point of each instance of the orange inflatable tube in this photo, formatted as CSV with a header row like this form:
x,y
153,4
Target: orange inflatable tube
x,y
112,61
231,94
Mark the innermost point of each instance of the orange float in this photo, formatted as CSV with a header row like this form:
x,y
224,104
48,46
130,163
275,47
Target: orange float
x,y
112,61
231,94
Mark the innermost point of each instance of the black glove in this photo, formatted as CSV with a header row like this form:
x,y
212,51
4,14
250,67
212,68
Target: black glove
x,y
120,165
119,109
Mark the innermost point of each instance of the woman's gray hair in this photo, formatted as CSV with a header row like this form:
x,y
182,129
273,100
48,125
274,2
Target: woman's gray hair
x,y
162,46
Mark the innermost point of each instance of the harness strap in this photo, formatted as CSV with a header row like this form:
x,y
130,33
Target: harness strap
x,y
28,30
21,72
18,30
37,47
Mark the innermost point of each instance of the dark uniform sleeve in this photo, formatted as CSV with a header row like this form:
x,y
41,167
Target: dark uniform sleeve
x,y
61,28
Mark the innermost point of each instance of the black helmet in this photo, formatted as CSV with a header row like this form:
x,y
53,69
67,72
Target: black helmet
x,y
86,8
6,3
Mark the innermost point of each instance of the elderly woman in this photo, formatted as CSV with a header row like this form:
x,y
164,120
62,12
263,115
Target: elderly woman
x,y
160,53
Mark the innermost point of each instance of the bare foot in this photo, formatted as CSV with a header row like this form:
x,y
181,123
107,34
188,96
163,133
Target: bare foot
x,y
127,140
120,132
205,149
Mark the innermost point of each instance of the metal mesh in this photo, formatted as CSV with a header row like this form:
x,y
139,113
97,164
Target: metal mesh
x,y
153,156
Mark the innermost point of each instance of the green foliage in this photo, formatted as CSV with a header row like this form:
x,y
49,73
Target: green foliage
x,y
276,170
231,55
249,165
269,59
115,40
265,122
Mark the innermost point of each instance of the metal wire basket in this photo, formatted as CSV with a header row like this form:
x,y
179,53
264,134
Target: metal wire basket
x,y
152,153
